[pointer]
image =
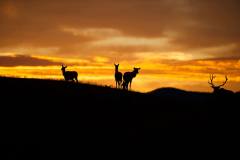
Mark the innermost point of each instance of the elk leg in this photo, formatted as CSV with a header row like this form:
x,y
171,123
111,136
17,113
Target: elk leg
x,y
119,84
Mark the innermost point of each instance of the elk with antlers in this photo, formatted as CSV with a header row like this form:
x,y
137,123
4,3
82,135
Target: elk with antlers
x,y
69,75
218,88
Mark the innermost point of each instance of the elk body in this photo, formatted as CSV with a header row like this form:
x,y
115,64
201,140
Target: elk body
x,y
118,76
217,89
128,77
69,75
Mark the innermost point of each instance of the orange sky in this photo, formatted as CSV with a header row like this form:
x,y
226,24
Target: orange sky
x,y
177,43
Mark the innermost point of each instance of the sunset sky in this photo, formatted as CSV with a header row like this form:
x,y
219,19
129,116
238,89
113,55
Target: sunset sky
x,y
177,43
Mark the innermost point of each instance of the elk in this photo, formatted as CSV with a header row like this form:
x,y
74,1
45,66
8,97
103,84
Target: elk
x,y
118,76
69,75
218,89
128,76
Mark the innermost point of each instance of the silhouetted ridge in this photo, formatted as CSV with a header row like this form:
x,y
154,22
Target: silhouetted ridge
x,y
168,91
61,108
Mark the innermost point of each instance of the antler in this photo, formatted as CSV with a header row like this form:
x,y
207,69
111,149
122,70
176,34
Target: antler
x,y
226,79
211,81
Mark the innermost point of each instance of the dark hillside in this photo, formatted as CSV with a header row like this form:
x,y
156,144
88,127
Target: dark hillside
x,y
43,111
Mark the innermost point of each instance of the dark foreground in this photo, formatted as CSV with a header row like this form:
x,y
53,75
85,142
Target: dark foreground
x,y
55,112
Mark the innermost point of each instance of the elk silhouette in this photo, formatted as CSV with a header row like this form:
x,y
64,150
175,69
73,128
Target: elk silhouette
x,y
218,88
118,76
128,76
69,75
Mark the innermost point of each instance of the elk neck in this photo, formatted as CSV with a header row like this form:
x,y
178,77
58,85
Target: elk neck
x,y
116,70
63,71
134,73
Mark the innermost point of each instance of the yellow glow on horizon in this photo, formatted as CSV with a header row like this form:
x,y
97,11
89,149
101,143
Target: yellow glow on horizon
x,y
146,80
101,59
164,55
157,70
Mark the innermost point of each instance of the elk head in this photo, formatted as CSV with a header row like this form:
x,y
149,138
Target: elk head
x,y
116,65
136,70
217,88
63,68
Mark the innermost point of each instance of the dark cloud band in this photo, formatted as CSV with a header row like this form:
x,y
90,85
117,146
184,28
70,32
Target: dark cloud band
x,y
20,60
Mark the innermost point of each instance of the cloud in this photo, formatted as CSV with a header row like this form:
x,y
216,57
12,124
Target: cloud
x,y
23,60
91,28
96,33
211,23
9,9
